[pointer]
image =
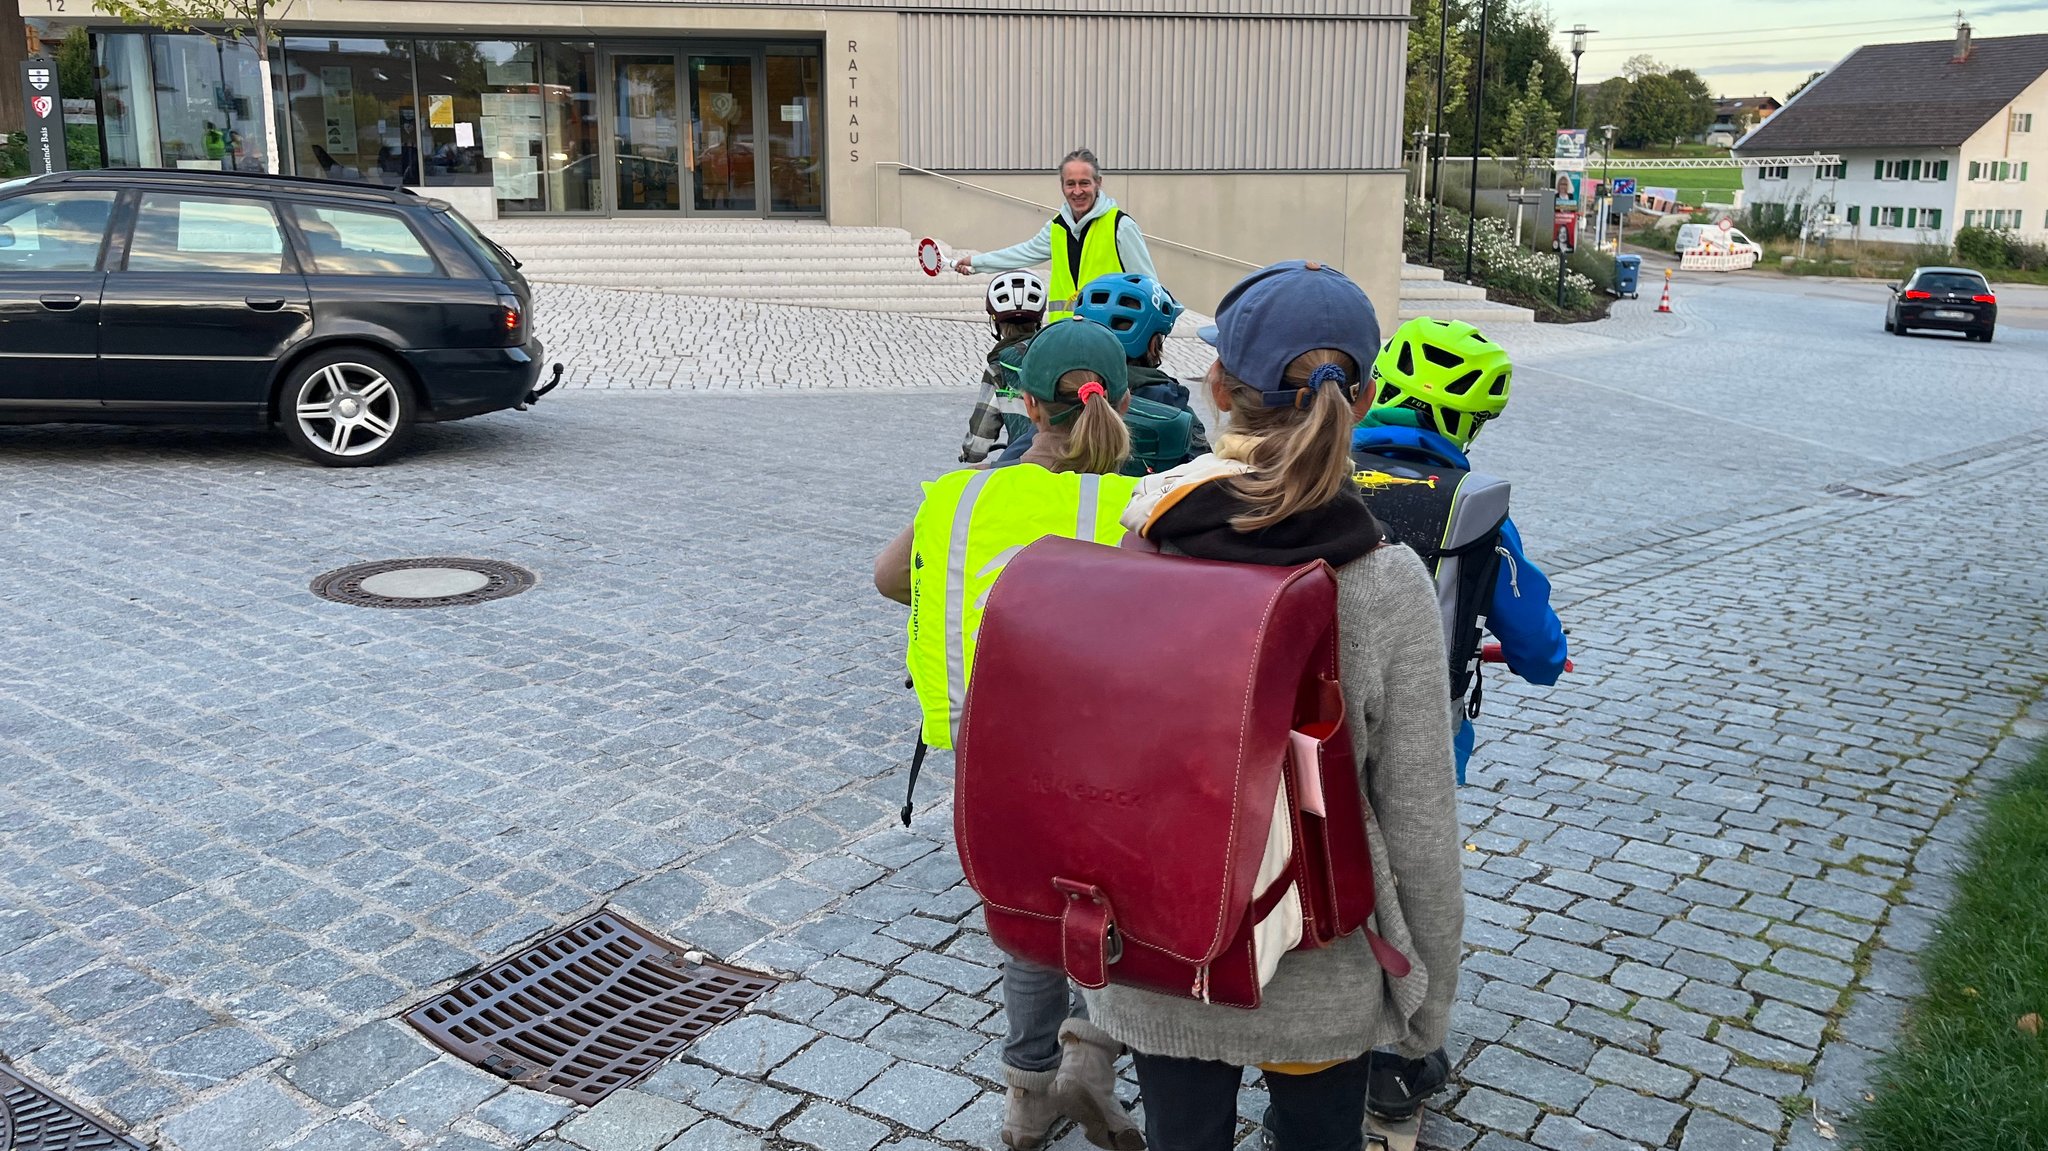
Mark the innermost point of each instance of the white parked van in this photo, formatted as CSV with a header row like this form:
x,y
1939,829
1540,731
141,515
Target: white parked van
x,y
1692,237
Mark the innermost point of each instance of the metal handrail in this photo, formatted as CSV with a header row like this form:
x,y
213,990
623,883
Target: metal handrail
x,y
1000,195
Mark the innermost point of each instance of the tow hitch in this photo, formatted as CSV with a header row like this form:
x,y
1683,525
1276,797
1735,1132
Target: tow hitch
x,y
533,397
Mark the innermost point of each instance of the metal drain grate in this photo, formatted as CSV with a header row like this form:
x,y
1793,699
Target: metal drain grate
x,y
32,1119
588,1010
437,581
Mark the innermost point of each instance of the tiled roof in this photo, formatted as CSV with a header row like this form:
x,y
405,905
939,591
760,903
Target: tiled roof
x,y
1904,96
1743,103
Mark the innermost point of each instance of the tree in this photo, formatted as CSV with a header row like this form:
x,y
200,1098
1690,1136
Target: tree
x,y
75,65
1654,112
1640,65
1418,104
1530,128
250,22
1606,105
1693,109
1802,85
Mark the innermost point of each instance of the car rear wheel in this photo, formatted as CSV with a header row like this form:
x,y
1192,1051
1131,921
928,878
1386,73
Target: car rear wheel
x,y
347,408
1985,335
1899,329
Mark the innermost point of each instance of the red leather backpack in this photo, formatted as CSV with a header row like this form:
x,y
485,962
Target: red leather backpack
x,y
1154,782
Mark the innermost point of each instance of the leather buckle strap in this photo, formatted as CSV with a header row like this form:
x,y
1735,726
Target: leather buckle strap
x,y
1089,942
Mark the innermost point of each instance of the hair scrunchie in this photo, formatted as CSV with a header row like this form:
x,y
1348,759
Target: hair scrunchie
x,y
1089,391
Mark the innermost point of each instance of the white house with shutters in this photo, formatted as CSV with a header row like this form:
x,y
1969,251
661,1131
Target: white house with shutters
x,y
1933,136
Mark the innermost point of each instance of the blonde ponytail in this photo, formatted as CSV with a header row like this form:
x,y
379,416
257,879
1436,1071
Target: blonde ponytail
x,y
1097,441
1300,456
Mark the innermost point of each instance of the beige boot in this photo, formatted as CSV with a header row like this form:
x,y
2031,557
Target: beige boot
x,y
1030,1111
1086,1087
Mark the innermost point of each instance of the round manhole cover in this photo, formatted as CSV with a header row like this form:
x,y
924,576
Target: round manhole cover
x,y
439,581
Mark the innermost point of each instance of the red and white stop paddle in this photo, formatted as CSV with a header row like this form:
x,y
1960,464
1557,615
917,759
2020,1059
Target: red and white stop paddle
x,y
931,260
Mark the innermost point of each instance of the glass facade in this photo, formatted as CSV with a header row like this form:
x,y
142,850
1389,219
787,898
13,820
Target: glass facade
x,y
546,125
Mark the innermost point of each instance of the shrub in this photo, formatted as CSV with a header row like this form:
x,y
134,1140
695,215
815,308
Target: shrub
x,y
1497,261
1993,250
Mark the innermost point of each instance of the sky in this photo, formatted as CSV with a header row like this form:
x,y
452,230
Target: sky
x,y
1766,47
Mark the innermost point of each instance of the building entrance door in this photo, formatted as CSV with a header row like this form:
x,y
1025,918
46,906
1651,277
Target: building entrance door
x,y
724,117
648,136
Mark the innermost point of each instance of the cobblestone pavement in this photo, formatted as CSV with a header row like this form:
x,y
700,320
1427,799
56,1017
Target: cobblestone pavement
x,y
243,829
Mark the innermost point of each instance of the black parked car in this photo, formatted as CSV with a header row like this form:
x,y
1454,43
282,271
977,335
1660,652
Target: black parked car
x,y
1951,299
345,313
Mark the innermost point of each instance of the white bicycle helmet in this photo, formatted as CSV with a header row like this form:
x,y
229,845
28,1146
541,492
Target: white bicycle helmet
x,y
1012,295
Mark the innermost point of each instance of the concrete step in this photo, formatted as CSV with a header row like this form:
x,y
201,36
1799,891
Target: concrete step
x,y
1440,290
1421,272
1479,313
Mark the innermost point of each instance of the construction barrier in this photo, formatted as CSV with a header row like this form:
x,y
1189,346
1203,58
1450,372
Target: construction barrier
x,y
1709,260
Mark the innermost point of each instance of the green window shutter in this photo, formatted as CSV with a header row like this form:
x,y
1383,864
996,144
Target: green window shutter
x,y
1913,170
1912,217
1933,217
1852,215
1973,169
1941,171
1878,174
2023,170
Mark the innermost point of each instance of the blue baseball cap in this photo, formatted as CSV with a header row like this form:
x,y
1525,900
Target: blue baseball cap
x,y
1283,310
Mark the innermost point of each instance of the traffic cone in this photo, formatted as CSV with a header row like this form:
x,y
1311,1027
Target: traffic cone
x,y
1664,305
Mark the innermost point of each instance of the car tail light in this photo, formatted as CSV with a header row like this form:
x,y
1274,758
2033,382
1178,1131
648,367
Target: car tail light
x,y
1984,298
511,320
1917,294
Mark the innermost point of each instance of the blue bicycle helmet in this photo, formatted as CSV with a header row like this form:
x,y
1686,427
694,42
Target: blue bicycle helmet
x,y
1135,307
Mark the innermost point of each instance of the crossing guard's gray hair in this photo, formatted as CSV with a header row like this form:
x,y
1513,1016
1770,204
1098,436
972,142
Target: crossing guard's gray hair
x,y
1086,157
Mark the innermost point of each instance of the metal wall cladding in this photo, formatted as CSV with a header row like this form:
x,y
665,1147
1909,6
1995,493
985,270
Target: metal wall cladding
x,y
1015,93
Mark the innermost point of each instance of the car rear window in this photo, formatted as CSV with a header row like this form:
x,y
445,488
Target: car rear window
x,y
349,242
1949,282
485,248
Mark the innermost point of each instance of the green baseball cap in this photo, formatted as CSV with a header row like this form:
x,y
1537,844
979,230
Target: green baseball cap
x,y
1071,344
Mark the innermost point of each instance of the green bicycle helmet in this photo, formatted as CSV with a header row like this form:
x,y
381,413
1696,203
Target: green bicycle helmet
x,y
1444,371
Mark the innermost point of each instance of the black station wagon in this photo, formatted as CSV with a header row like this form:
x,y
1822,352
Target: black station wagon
x,y
343,313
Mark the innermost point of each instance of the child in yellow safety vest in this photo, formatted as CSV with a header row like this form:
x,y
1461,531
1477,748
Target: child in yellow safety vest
x,y
970,523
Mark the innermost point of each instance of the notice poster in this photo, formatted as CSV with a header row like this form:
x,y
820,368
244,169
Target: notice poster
x,y
338,110
1567,191
440,111
465,135
515,178
1571,144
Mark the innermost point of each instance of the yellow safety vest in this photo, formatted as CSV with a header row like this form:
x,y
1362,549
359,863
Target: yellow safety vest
x,y
970,524
1097,256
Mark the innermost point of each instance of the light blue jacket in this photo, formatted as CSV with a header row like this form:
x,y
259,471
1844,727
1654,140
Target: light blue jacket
x,y
1532,640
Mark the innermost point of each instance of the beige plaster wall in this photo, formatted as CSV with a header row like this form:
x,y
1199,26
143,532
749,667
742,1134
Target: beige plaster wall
x,y
1351,220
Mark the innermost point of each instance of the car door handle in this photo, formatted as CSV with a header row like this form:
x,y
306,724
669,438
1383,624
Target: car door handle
x,y
62,303
264,303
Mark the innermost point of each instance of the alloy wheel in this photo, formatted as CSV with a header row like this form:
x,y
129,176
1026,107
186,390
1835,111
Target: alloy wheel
x,y
348,409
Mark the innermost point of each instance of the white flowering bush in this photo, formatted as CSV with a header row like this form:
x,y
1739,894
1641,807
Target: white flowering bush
x,y
1499,263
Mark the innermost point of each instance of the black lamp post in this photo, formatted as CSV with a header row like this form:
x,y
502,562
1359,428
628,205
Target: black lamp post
x,y
1579,34
1478,119
1435,189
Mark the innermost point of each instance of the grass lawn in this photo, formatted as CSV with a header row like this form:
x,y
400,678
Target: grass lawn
x,y
1969,1074
1693,184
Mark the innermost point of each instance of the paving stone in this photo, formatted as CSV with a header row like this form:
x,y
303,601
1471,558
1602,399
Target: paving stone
x,y
799,1001
1840,900
1708,1132
1694,1053
678,1082
1587,991
253,1114
360,1063
1558,1133
1713,999
979,1124
1642,979
1626,1113
751,1044
1788,1022
1809,995
1613,1065
832,1128
1762,1047
1499,1112
525,1114
833,1068
969,978
1533,1079
922,1040
344,1135
715,1135
851,1017
914,1096
434,1096
1706,940
915,994
1567,957
1807,965
629,1120
746,1102
1560,1047
1621,1032
1512,1000
1753,1109
212,1057
845,974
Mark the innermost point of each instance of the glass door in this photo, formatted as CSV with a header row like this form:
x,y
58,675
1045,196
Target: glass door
x,y
647,144
724,133
796,161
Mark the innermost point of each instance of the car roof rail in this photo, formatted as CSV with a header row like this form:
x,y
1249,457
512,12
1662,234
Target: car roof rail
x,y
243,181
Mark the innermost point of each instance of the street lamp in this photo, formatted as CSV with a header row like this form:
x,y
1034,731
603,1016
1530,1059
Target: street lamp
x,y
1436,174
1579,34
1478,119
1606,185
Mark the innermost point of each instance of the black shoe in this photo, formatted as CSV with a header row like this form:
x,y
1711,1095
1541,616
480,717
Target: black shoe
x,y
1396,1087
